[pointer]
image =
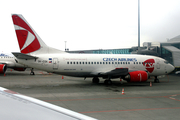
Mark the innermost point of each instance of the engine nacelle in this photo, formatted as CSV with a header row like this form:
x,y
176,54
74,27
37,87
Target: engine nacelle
x,y
3,68
136,76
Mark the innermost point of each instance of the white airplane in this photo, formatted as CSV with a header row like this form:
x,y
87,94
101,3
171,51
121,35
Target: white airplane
x,y
8,61
36,54
20,107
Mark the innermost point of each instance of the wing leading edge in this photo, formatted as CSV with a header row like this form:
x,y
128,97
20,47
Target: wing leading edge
x,y
19,107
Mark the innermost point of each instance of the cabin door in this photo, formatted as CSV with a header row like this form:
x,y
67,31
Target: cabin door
x,y
55,63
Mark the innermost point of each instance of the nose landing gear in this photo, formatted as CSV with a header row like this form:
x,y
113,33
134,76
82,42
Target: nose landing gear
x,y
156,80
32,71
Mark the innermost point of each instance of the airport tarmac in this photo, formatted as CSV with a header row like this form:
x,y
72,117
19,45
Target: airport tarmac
x,y
104,102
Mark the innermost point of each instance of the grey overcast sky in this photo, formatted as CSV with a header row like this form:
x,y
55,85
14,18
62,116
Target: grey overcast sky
x,y
91,24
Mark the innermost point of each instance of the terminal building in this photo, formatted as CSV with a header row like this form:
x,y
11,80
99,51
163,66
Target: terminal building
x,y
169,50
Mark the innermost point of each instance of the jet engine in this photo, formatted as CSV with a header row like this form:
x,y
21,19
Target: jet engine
x,y
136,76
3,68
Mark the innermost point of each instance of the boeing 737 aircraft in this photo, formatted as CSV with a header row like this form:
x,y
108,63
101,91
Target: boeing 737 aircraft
x,y
7,61
36,54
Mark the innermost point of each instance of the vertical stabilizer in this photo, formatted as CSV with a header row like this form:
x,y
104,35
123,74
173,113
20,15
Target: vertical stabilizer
x,y
28,39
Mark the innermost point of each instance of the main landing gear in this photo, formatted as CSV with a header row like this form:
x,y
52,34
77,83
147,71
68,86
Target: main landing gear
x,y
156,80
96,80
108,82
32,72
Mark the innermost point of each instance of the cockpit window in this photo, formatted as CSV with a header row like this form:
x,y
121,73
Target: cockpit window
x,y
166,62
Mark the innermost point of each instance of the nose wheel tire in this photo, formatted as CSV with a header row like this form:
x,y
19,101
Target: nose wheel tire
x,y
156,80
32,72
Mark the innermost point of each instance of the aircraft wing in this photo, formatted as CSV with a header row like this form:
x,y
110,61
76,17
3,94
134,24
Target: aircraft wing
x,y
113,72
15,106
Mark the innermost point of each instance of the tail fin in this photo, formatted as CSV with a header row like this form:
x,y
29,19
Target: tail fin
x,y
28,39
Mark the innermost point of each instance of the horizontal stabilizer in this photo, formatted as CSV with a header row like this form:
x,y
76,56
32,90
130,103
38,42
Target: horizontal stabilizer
x,y
23,56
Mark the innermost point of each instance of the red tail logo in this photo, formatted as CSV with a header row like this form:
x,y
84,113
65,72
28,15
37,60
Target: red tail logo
x,y
27,39
149,65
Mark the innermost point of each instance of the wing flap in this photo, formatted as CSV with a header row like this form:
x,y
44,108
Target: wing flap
x,y
23,56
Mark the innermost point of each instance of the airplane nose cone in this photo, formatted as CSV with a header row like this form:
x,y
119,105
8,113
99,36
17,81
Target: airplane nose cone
x,y
170,68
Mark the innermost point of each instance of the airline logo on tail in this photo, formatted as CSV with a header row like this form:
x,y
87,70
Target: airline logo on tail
x,y
149,65
27,39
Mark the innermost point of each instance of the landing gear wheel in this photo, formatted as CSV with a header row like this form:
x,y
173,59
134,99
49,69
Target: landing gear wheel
x,y
95,80
156,80
108,82
32,72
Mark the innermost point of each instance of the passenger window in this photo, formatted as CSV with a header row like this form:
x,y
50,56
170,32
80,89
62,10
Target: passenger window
x,y
70,62
109,62
94,62
139,62
82,62
136,62
115,62
88,62
77,62
74,62
97,62
67,62
91,62
128,62
112,62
